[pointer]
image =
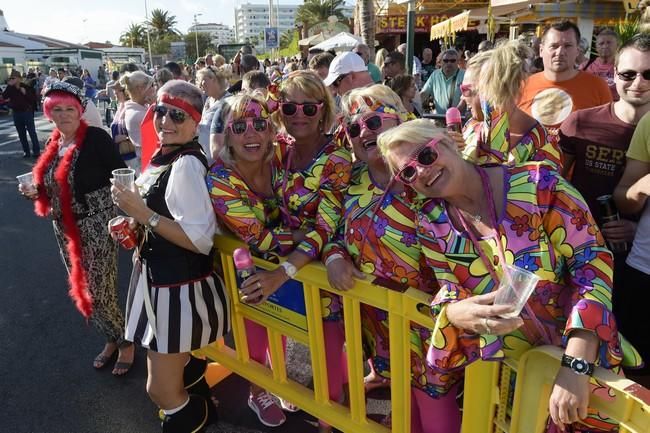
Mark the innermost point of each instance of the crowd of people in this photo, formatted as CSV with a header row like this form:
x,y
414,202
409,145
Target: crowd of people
x,y
339,160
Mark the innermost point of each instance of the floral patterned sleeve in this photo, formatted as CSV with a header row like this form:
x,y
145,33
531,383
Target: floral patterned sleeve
x,y
588,265
333,178
238,209
451,348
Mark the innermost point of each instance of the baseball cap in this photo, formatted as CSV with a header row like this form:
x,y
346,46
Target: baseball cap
x,y
344,64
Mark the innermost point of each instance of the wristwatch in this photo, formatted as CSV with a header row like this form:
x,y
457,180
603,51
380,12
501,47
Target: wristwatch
x,y
289,269
578,365
153,221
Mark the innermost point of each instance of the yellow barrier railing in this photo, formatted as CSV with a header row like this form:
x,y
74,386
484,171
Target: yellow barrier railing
x,y
497,406
402,309
488,390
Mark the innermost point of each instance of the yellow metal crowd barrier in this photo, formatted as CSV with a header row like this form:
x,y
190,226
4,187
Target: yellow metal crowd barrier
x,y
488,389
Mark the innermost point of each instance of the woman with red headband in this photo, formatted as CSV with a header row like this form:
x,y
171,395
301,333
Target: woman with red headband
x,y
315,174
72,179
176,303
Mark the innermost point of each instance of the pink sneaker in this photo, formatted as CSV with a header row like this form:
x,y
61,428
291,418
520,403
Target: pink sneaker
x,y
267,409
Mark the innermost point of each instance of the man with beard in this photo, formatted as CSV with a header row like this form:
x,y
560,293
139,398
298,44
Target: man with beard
x,y
560,89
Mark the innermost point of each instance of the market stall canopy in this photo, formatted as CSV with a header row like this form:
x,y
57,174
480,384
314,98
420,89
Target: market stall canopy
x,y
461,21
538,10
312,40
343,41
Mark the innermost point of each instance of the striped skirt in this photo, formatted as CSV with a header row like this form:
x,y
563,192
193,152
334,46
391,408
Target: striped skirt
x,y
176,319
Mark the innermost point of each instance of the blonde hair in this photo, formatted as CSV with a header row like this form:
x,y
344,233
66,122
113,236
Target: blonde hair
x,y
380,57
502,77
218,60
134,82
363,97
234,108
419,131
214,73
309,83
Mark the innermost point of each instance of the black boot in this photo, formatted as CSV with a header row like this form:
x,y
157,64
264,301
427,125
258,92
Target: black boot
x,y
195,383
191,419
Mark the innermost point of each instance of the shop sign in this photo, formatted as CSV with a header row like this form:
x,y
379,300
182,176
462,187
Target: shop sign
x,y
397,23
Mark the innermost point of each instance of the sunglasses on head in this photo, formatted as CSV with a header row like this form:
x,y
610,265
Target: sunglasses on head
x,y
309,109
631,75
371,123
424,157
449,60
177,116
239,127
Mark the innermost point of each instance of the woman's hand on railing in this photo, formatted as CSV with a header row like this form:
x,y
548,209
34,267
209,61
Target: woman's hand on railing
x,y
477,314
341,273
258,287
569,398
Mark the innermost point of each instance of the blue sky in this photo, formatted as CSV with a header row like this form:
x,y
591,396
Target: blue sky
x,y
81,21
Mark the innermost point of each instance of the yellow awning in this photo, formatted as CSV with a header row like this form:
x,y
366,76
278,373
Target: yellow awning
x,y
454,24
461,21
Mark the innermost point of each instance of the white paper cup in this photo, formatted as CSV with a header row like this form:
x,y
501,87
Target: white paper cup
x,y
27,181
125,177
516,286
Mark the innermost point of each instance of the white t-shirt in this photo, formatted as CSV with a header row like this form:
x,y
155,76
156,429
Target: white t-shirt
x,y
92,116
133,115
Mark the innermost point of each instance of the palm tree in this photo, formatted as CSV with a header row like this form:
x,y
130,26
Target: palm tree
x,y
315,11
162,24
366,16
134,36
286,38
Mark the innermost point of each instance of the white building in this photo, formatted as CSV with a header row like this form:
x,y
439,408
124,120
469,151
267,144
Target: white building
x,y
250,19
219,33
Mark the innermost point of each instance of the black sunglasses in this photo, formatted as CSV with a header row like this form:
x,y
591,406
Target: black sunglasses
x,y
373,123
338,80
309,109
239,127
631,75
449,60
177,116
424,157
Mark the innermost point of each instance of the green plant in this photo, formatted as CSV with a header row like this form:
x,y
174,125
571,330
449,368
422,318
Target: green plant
x,y
626,29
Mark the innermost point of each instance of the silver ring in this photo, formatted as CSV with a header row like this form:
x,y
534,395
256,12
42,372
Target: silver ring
x,y
487,327
259,286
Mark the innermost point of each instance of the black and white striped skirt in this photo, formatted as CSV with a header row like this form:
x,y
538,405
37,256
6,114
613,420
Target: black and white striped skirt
x,y
176,319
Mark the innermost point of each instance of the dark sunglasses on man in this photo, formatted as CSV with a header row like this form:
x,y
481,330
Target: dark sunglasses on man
x,y
449,60
631,75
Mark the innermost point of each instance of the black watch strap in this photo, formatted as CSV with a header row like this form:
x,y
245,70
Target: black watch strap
x,y
578,365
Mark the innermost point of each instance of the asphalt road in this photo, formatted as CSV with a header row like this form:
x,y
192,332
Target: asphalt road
x,y
47,383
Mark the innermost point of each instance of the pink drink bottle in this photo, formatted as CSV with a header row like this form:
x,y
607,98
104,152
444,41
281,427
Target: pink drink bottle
x,y
244,265
453,119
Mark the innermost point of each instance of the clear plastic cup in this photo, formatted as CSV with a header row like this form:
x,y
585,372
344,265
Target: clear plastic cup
x,y
125,177
27,182
516,286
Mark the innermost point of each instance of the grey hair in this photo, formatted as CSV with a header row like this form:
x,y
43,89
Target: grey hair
x,y
450,51
183,90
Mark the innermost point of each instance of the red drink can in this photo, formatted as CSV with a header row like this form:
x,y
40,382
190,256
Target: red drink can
x,y
126,237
